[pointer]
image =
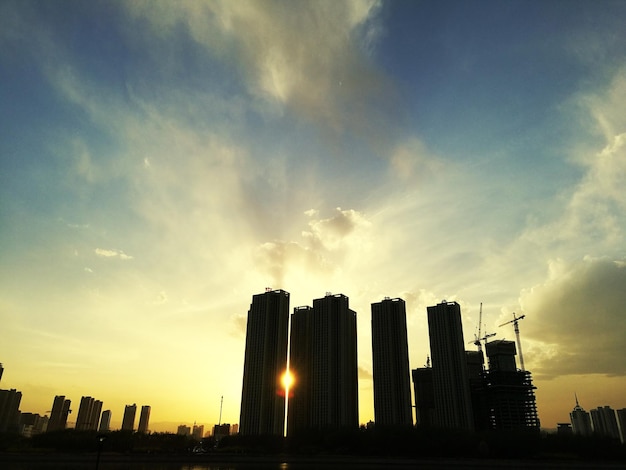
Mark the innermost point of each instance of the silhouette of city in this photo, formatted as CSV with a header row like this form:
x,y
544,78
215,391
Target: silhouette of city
x,y
480,406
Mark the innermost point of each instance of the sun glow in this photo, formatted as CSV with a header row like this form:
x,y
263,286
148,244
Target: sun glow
x,y
287,380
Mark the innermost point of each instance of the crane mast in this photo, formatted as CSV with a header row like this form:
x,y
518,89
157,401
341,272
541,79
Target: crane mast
x,y
515,322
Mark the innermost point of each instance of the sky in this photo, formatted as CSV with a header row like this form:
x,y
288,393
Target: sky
x,y
161,162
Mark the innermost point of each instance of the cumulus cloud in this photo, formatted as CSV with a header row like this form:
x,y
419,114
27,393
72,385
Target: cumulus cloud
x,y
578,324
320,251
104,253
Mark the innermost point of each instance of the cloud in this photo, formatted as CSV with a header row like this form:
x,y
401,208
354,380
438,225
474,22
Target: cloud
x,y
324,75
334,232
575,318
320,252
103,253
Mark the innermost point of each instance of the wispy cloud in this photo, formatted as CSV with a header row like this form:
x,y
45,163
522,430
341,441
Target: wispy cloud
x,y
103,253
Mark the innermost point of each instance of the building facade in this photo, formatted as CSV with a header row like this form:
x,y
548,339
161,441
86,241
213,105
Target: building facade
x,y
390,363
453,408
262,396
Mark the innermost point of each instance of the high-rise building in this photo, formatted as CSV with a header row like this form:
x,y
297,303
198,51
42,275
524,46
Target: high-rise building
x,y
453,408
221,430
390,362
621,420
300,363
88,414
327,380
183,430
144,418
198,431
59,413
604,422
9,410
581,420
105,421
424,396
128,421
262,396
509,392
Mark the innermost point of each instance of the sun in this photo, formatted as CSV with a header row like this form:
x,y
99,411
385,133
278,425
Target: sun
x,y
287,380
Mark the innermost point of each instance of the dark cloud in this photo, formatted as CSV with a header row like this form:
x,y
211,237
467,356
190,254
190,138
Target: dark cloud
x,y
579,315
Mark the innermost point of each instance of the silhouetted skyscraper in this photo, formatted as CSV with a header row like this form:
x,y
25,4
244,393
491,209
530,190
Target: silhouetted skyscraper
x,y
390,361
59,413
453,408
262,396
300,364
604,422
105,421
128,421
621,420
581,420
324,362
144,418
9,410
88,414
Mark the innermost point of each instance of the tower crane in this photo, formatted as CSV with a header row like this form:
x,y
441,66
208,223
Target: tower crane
x,y
477,337
515,322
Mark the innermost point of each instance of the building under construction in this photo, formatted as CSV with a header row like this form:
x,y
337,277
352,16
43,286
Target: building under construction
x,y
508,393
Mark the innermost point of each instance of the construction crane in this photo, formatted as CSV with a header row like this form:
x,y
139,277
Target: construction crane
x,y
515,322
477,337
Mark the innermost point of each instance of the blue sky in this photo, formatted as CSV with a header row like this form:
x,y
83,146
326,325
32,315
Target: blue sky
x,y
161,162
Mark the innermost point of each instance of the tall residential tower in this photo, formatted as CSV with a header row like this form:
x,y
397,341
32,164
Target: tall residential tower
x,y
453,409
262,396
324,362
390,361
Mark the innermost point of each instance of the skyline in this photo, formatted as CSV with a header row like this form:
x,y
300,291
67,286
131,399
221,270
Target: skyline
x,y
161,162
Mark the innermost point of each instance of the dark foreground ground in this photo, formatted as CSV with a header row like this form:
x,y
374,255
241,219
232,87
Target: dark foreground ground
x,y
57,461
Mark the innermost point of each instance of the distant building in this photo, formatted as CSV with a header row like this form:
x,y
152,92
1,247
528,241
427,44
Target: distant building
x,y
10,410
510,393
88,416
198,431
324,348
262,397
234,429
144,418
621,420
564,429
128,421
604,422
424,396
390,361
31,424
221,430
1,371
105,421
453,408
59,413
183,430
581,421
